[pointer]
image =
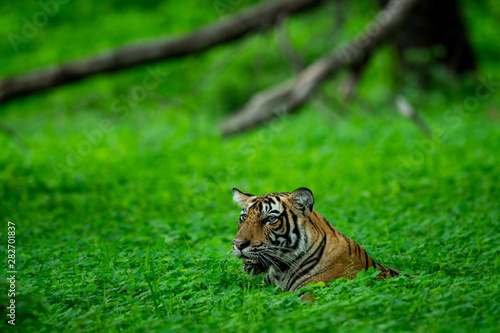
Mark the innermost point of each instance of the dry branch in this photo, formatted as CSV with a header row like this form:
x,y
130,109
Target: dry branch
x,y
11,133
261,16
298,64
288,96
348,88
406,110
286,46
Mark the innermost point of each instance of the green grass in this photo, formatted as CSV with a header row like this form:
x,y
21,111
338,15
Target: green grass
x,y
135,235
138,238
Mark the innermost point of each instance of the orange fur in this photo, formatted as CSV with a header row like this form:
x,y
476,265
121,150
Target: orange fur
x,y
309,248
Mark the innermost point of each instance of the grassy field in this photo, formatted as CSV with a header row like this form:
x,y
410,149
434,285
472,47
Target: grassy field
x,y
123,206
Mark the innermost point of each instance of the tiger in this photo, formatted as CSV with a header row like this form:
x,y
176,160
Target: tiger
x,y
282,234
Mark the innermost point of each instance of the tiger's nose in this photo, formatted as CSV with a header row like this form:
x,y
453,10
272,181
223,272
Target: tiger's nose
x,y
241,244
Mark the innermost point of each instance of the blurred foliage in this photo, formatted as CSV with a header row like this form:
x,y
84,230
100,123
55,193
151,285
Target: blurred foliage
x,y
135,236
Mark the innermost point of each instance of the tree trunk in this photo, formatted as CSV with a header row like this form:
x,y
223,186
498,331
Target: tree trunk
x,y
434,23
288,96
259,17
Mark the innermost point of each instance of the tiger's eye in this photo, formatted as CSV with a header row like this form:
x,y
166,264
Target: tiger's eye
x,y
272,219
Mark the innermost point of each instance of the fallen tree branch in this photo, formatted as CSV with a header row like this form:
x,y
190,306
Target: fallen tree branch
x,y
261,16
348,88
288,96
298,64
286,46
406,110
9,132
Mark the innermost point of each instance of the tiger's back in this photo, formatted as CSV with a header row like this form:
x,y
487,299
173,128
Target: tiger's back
x,y
282,234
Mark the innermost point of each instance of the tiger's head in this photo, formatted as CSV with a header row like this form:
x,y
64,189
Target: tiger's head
x,y
271,229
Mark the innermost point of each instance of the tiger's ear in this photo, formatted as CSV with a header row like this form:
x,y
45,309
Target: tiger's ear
x,y
241,198
303,199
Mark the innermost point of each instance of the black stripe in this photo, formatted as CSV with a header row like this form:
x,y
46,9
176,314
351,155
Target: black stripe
x,y
287,231
296,231
309,263
359,250
347,241
276,242
284,219
314,225
328,224
268,205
